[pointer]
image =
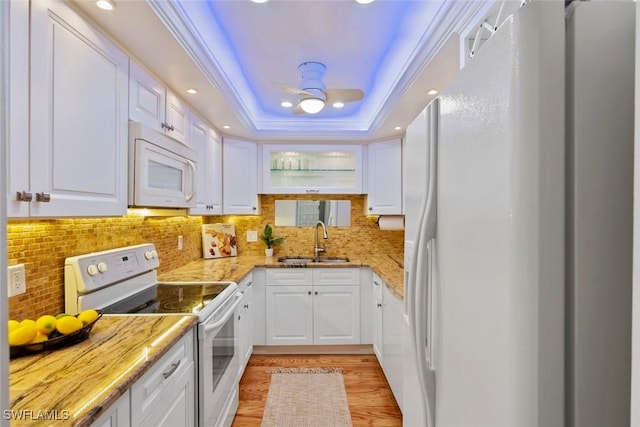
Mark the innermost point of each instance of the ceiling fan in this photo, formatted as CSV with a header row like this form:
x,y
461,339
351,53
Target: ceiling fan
x,y
313,93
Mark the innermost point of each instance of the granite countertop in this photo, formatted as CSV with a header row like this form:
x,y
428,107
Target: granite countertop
x,y
388,267
74,384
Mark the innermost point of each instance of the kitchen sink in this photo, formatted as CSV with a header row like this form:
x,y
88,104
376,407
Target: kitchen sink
x,y
332,259
306,260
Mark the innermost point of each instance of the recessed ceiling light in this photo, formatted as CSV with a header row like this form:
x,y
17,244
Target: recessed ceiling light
x,y
338,104
192,91
105,4
226,127
286,104
432,92
259,1
397,128
364,1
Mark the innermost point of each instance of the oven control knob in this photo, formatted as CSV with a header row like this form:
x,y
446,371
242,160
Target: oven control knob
x,y
102,267
92,269
150,254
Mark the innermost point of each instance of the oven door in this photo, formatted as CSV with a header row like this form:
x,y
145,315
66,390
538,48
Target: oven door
x,y
219,364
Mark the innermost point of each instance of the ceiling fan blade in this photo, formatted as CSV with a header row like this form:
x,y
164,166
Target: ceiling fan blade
x,y
298,110
343,95
290,89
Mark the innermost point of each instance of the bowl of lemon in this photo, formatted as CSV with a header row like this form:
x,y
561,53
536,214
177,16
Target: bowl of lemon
x,y
50,332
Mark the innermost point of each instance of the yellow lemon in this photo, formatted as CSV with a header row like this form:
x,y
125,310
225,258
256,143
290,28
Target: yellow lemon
x,y
88,316
68,324
28,322
46,324
12,324
22,335
40,337
59,315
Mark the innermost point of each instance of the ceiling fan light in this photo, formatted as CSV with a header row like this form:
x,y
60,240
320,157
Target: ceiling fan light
x,y
106,4
338,104
312,105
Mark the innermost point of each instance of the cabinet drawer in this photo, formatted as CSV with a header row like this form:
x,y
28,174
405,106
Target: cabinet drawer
x,y
336,276
159,380
289,276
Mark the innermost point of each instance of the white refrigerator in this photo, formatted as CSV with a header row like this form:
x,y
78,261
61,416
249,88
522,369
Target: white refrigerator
x,y
518,246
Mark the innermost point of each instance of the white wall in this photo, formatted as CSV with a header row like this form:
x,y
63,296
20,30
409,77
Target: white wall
x,y
635,346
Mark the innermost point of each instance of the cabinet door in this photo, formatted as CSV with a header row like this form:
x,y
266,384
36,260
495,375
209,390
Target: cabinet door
x,y
240,182
311,169
202,142
392,350
177,408
117,415
177,115
289,315
384,172
147,98
258,309
18,147
79,91
377,318
246,323
336,315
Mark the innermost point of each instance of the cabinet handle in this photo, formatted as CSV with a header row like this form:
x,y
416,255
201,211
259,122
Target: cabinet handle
x,y
316,292
370,208
313,190
171,128
246,306
249,283
254,208
43,197
239,317
174,366
309,292
163,125
375,282
24,196
379,305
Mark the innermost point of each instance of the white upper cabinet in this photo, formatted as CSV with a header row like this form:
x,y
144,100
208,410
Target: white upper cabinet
x,y
240,177
78,108
151,103
384,178
208,147
312,169
18,147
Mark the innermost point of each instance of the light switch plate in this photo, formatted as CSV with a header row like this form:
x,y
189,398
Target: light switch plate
x,y
252,236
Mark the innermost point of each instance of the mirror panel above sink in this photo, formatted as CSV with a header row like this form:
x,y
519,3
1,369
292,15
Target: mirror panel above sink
x,y
306,213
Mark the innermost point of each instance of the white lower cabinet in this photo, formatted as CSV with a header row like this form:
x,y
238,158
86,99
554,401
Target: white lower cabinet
x,y
377,316
289,314
392,349
118,414
312,306
165,394
258,313
246,321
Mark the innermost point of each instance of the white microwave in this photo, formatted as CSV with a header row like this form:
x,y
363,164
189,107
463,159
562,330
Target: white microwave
x,y
162,171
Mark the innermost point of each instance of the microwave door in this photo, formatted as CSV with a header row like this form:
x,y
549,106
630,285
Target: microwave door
x,y
163,178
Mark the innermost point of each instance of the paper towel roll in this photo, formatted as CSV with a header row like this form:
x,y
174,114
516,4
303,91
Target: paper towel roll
x,y
391,222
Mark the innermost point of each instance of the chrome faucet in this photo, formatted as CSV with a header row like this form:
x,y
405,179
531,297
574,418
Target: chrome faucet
x,y
316,249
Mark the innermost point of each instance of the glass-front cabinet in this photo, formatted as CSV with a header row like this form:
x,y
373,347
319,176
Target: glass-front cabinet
x,y
312,169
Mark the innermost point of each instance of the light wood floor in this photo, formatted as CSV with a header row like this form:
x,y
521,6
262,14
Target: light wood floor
x,y
370,400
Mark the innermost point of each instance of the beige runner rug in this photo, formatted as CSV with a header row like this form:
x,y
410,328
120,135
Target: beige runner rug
x,y
304,397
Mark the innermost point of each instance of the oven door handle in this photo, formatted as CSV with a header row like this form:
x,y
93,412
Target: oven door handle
x,y
228,314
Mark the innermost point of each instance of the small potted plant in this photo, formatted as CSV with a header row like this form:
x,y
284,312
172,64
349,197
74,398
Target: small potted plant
x,y
270,240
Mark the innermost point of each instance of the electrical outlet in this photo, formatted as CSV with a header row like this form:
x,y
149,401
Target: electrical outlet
x,y
15,280
252,236
180,242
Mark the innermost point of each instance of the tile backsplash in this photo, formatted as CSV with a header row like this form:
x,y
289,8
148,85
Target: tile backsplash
x,y
43,245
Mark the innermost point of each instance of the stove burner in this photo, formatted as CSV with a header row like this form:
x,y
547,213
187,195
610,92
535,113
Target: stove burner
x,y
184,306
